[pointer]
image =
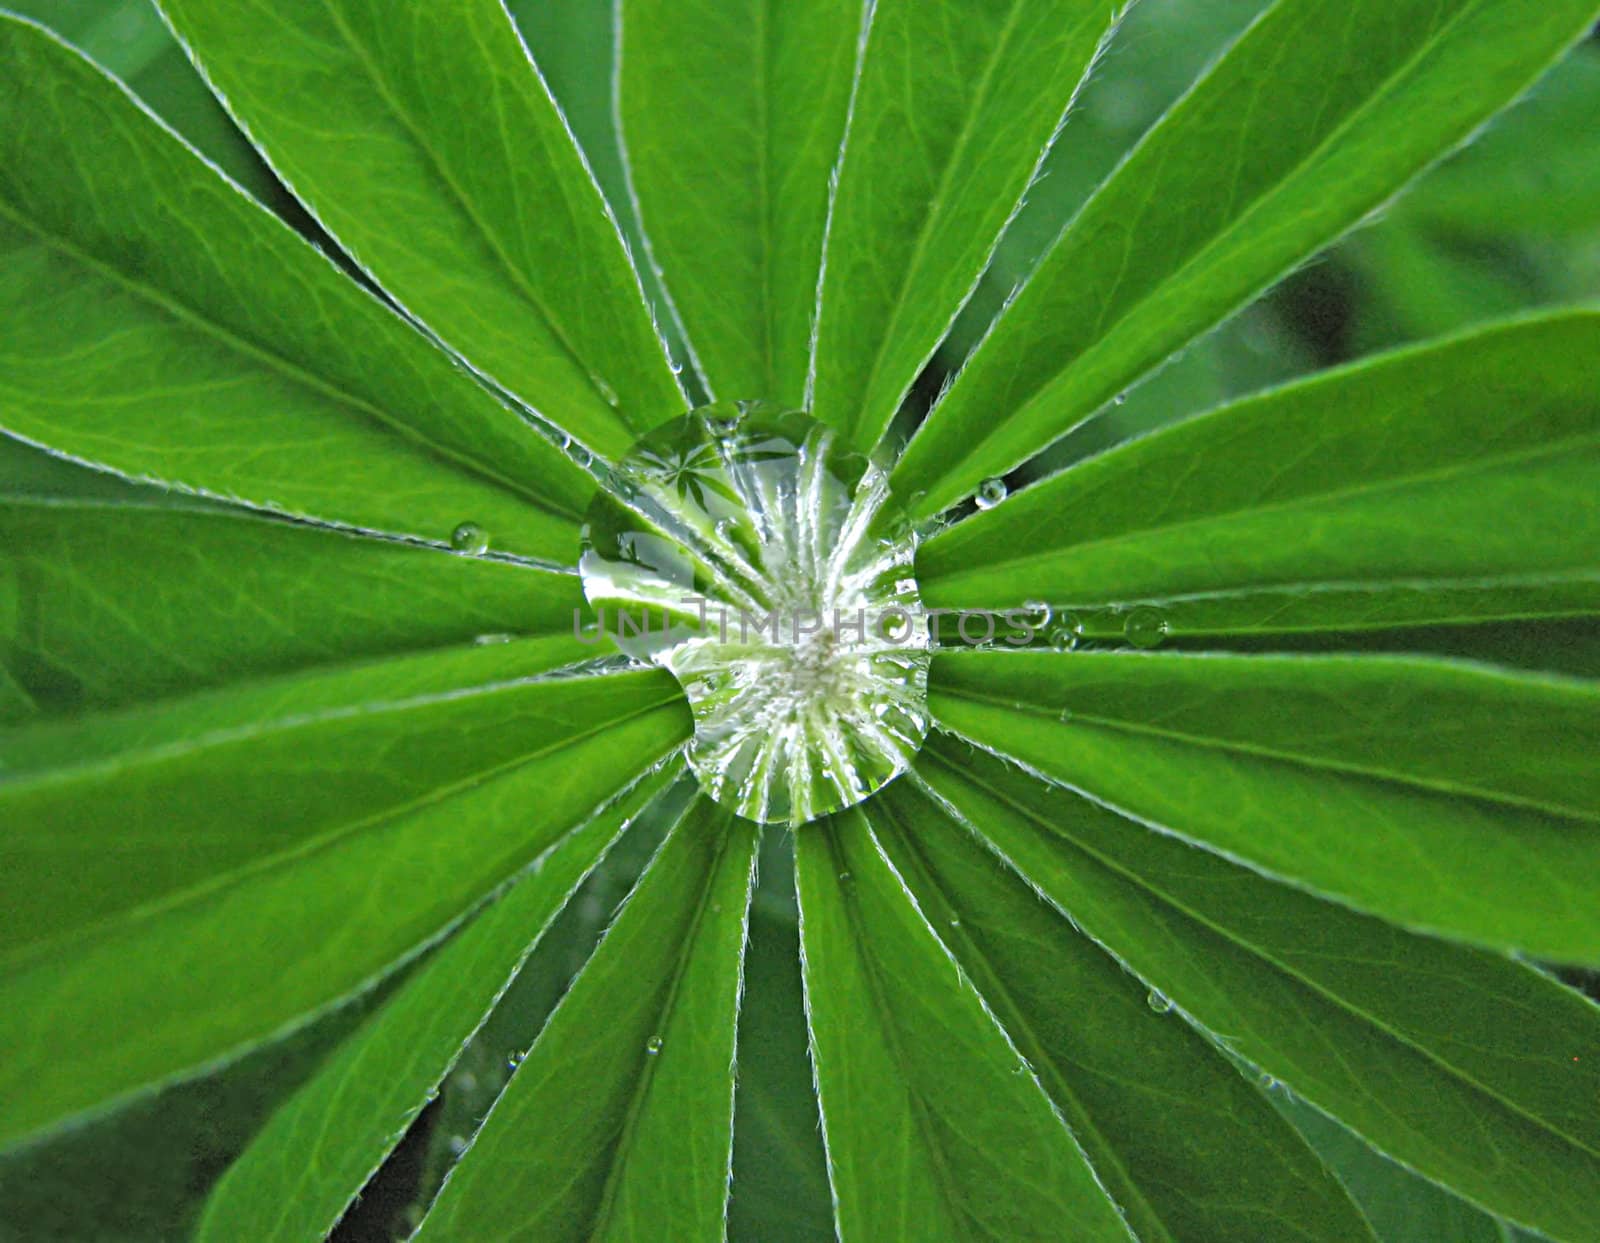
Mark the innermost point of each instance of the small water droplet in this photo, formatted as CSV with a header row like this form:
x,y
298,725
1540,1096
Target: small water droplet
x,y
470,537
1159,1002
716,908
1066,716
844,877
955,921
1145,627
1063,639
990,493
1121,399
607,393
492,640
515,1059
1039,614
653,1047
458,1145
582,457
1267,1082
724,420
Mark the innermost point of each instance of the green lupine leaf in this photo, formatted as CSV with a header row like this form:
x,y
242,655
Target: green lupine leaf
x,y
129,40
317,1152
132,1175
1188,1149
295,758
1317,116
956,103
780,1172
1450,483
1316,769
102,603
935,1125
1402,1207
509,253
159,323
152,854
733,115
619,1123
1470,1068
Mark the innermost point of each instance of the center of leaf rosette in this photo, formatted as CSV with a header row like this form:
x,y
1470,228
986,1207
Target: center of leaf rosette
x,y
771,572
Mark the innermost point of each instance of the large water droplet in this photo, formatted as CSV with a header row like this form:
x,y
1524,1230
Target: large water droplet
x,y
470,537
771,573
990,493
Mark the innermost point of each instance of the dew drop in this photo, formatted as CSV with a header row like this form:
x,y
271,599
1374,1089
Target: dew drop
x,y
1039,614
844,878
653,1046
990,493
515,1059
768,558
1267,1082
607,393
955,921
470,537
493,640
1066,716
1145,627
1159,1002
1063,639
458,1145
1121,399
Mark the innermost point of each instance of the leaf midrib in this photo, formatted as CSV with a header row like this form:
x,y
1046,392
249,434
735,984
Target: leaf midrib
x,y
641,1088
1448,472
1258,750
1055,832
1011,1019
136,756
463,201
1348,121
276,361
860,947
28,955
936,207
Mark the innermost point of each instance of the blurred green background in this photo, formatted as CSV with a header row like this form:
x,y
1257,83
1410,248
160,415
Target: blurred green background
x,y
1510,223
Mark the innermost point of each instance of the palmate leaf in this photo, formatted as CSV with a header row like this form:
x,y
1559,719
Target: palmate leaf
x,y
509,253
1188,1149
620,1119
158,323
105,603
316,1153
1470,1068
936,1127
260,766
1445,484
152,854
955,105
1314,769
732,114
1321,112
